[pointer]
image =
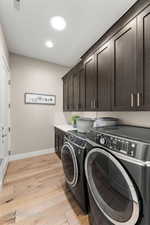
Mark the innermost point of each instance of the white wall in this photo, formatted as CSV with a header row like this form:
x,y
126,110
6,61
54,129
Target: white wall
x,y
33,125
3,46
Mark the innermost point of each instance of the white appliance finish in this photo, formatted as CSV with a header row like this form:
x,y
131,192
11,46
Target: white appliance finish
x,y
30,26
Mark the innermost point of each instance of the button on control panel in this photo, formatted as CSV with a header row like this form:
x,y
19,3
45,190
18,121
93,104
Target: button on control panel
x,y
117,144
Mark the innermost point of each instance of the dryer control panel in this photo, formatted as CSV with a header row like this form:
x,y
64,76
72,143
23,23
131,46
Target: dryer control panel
x,y
77,141
117,144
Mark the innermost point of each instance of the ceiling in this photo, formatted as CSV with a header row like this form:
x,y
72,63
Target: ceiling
x,y
27,30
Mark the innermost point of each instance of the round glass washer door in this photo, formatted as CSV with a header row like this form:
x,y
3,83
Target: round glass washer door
x,y
111,187
70,165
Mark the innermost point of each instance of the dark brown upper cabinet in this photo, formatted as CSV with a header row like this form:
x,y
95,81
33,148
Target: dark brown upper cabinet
x,y
104,68
76,89
116,75
125,65
143,71
79,88
70,91
90,84
65,93
68,97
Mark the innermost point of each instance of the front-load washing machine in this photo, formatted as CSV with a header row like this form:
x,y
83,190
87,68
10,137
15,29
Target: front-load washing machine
x,y
117,169
73,158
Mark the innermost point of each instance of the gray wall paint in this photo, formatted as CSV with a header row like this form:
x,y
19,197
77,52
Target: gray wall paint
x,y
33,125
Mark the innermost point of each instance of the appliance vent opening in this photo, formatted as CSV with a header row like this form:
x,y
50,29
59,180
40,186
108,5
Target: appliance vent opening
x,y
17,4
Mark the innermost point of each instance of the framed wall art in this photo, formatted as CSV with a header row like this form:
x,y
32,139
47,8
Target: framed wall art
x,y
42,99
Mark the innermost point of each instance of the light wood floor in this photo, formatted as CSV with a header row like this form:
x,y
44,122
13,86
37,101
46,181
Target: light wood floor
x,y
35,194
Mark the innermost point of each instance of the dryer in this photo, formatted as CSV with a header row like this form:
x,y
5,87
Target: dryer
x,y
117,169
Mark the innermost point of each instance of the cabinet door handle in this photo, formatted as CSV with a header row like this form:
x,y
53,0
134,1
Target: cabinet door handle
x,y
138,99
94,104
132,100
91,104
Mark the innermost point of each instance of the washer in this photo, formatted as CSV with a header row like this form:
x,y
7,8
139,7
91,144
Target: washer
x,y
117,169
73,158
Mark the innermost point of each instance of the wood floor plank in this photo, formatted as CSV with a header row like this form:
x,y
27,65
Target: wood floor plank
x,y
35,193
6,194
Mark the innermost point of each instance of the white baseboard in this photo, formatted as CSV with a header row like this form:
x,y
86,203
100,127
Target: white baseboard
x,y
31,154
3,169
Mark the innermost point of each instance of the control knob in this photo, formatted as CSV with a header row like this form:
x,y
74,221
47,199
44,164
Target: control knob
x,y
102,140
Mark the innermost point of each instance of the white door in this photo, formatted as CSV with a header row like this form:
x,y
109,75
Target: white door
x,y
3,109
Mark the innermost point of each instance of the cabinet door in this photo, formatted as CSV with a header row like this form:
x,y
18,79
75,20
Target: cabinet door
x,y
90,84
143,92
57,142
59,145
81,89
104,68
70,91
125,62
65,94
61,142
76,90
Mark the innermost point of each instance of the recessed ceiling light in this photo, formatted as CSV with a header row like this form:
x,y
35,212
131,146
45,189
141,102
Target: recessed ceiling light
x,y
58,23
49,44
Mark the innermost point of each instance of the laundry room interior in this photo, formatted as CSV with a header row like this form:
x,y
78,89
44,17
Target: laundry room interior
x,y
74,112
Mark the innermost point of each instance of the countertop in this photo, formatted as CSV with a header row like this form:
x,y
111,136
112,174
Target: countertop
x,y
65,127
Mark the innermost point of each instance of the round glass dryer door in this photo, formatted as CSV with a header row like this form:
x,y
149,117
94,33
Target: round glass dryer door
x,y
111,188
69,162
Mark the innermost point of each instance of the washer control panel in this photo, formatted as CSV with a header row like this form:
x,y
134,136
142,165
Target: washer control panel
x,y
121,145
